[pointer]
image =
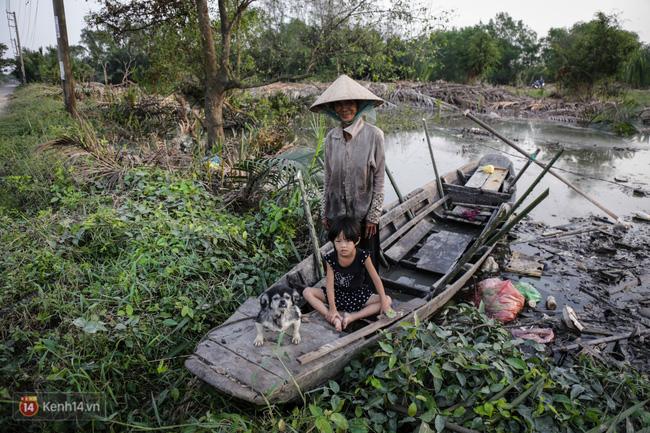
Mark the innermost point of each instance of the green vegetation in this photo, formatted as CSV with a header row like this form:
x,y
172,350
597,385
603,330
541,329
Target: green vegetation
x,y
108,285
164,52
107,290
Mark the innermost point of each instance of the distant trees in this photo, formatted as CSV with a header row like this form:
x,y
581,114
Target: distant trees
x,y
162,44
636,69
588,53
518,50
4,61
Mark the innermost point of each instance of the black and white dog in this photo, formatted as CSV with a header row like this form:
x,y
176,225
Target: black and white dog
x,y
278,312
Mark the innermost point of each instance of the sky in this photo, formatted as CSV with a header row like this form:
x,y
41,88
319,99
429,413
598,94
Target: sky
x,y
36,22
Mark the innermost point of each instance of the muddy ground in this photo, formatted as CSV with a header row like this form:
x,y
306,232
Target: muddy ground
x,y
600,270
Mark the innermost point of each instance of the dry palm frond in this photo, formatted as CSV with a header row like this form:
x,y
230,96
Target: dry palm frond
x,y
96,160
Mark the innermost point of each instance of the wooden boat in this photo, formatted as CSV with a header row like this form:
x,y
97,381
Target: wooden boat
x,y
422,240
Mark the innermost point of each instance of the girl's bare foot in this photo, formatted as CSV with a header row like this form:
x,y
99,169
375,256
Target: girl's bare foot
x,y
345,321
338,323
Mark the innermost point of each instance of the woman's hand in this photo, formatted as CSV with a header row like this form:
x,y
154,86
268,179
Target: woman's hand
x,y
371,229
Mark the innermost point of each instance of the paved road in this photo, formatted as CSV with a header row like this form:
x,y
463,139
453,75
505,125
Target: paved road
x,y
5,91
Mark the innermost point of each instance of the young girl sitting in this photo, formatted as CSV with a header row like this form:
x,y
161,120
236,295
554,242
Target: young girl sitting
x,y
346,288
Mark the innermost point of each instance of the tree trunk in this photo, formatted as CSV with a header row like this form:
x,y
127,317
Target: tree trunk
x,y
104,66
214,92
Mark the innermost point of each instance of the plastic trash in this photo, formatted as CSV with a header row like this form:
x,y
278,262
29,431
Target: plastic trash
x,y
551,303
213,163
530,293
489,169
539,335
501,299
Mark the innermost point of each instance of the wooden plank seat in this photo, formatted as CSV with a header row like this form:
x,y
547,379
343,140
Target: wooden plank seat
x,y
408,241
487,181
495,180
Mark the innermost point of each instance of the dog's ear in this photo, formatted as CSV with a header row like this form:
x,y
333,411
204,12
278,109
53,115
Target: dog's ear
x,y
296,297
264,300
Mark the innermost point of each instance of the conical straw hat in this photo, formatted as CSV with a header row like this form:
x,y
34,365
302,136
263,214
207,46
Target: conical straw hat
x,y
344,89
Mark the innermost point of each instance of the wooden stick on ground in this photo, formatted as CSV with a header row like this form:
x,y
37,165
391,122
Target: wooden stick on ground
x,y
603,340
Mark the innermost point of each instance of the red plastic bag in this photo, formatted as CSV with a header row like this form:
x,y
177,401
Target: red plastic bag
x,y
501,299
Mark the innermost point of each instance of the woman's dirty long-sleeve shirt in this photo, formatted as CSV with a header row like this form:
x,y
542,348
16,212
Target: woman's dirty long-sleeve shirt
x,y
354,173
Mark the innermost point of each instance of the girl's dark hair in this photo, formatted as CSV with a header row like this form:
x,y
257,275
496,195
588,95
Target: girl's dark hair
x,y
346,225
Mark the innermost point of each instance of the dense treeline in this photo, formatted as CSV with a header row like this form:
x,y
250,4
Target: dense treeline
x,y
265,47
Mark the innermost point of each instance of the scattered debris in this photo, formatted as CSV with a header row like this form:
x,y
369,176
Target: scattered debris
x,y
639,192
539,335
600,271
551,304
570,319
524,265
490,266
641,216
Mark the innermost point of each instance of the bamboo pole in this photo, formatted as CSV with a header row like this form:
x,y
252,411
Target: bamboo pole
x,y
533,156
506,228
433,162
318,264
400,197
611,214
532,186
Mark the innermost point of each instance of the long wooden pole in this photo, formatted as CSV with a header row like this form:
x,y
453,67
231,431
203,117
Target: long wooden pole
x,y
400,197
64,57
318,264
533,156
603,340
18,47
611,214
433,161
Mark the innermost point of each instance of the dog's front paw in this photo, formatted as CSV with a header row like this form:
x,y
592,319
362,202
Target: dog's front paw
x,y
296,339
259,340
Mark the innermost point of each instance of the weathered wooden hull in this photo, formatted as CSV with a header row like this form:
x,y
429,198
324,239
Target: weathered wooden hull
x,y
280,371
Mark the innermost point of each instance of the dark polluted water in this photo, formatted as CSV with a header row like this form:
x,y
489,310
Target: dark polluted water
x,y
597,156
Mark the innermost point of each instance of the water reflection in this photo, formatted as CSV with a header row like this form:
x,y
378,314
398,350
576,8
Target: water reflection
x,y
587,151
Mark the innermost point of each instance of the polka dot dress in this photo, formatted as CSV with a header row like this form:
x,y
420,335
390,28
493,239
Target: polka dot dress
x,y
351,290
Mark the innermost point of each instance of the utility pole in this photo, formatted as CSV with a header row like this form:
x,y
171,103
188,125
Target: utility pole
x,y
64,57
15,42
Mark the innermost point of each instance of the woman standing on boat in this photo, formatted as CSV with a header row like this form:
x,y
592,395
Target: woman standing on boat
x,y
354,160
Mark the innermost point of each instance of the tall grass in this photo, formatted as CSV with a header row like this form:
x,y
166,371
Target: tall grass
x,y
109,291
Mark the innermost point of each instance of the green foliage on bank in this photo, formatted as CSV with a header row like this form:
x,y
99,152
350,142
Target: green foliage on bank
x,y
108,290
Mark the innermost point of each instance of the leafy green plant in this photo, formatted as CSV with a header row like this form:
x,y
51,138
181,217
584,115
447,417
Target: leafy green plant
x,y
467,370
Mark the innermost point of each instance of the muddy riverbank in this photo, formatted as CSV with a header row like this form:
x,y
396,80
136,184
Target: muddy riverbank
x,y
601,271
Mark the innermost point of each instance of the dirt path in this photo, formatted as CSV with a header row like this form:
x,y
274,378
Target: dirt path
x,y
5,92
